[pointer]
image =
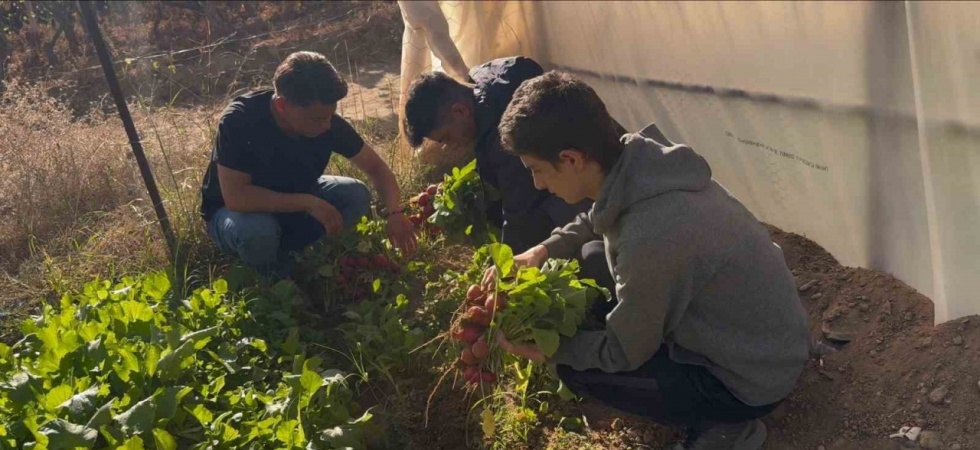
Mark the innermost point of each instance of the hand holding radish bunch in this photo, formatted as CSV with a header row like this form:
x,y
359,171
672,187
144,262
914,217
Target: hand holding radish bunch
x,y
523,313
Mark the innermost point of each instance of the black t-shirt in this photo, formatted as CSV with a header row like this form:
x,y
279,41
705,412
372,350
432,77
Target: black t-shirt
x,y
248,140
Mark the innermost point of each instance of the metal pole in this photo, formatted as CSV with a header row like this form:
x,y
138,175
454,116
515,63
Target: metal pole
x,y
92,25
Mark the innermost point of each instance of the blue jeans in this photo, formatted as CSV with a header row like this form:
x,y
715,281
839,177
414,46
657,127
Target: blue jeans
x,y
263,241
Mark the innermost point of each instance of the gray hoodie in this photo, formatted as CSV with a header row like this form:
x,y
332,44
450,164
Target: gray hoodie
x,y
694,270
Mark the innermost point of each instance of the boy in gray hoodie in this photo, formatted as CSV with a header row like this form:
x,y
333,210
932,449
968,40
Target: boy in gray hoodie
x,y
708,331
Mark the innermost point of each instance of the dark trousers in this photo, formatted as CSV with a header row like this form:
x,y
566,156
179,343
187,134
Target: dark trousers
x,y
664,391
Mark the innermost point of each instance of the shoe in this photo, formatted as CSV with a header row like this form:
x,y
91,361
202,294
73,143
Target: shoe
x,y
725,436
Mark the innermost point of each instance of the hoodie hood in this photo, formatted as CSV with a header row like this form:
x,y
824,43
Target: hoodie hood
x,y
650,165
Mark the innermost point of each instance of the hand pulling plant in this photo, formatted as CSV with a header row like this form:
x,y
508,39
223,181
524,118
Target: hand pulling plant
x,y
459,207
528,305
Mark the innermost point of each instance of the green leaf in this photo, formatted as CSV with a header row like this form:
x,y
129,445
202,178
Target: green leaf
x,y
152,358
229,433
163,440
139,418
564,392
291,346
169,366
127,363
199,336
285,433
133,443
62,434
220,287
55,397
310,380
202,414
168,399
21,388
135,311
546,340
156,285
573,424
503,258
102,416
376,286
217,385
81,404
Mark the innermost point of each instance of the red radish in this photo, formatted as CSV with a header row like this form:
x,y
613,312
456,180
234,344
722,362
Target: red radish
x,y
468,334
424,199
344,261
363,262
474,294
341,280
480,349
379,261
416,219
349,271
432,189
478,315
468,357
487,377
495,302
428,210
471,374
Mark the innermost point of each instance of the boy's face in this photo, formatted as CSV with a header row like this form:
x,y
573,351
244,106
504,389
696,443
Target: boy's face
x,y
458,129
563,178
310,121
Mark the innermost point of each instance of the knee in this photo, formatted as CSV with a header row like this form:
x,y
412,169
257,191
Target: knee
x,y
359,200
260,232
360,194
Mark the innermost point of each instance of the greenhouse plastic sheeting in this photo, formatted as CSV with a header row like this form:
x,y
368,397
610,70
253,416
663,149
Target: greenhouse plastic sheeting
x,y
854,124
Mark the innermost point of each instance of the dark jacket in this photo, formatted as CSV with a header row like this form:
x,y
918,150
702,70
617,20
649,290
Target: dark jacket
x,y
526,215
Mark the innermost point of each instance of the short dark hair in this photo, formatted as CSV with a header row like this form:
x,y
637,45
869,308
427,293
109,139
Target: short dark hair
x,y
308,77
427,104
555,112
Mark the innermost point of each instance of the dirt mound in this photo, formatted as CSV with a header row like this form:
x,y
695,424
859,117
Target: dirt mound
x,y
897,370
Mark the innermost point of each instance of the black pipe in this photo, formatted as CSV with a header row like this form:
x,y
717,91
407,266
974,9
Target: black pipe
x,y
92,25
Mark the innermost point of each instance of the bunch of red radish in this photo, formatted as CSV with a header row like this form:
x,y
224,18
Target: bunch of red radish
x,y
353,268
425,208
471,332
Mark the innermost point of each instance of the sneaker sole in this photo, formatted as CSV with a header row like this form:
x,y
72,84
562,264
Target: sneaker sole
x,y
755,439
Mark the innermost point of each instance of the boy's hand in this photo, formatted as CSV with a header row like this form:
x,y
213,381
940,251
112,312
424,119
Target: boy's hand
x,y
534,257
529,351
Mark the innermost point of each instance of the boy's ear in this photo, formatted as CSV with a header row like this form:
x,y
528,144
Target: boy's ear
x,y
460,109
573,157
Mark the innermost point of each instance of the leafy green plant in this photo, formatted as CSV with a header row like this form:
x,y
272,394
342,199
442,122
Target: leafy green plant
x,y
460,207
529,305
115,367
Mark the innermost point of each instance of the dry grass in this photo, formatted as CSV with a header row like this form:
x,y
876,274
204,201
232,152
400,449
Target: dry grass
x,y
73,206
72,203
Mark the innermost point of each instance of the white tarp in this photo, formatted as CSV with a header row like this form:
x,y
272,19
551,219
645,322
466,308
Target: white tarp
x,y
854,124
